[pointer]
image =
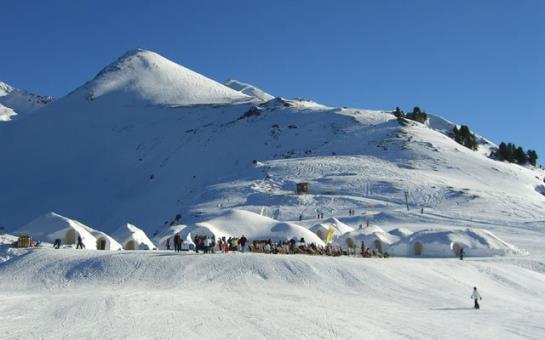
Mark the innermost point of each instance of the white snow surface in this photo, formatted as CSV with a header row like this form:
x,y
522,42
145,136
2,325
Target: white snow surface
x,y
158,295
15,102
145,76
249,90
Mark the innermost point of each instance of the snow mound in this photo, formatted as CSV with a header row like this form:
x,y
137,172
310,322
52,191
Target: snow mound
x,y
52,226
373,237
447,243
248,90
133,238
237,222
145,76
15,102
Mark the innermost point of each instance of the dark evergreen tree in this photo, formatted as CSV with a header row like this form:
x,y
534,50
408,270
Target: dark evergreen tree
x,y
418,115
465,137
520,156
532,157
398,112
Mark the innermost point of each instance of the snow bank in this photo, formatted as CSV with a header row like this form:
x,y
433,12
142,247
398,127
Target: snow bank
x,y
441,243
255,227
133,238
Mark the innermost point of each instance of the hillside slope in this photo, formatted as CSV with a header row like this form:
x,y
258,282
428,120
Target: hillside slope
x,y
131,145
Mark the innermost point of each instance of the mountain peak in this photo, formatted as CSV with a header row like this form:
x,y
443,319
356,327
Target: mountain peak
x,y
14,102
142,75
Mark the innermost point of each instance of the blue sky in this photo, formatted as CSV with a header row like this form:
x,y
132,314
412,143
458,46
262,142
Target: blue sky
x,y
480,63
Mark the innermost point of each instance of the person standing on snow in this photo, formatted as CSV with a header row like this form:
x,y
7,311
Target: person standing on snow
x,y
167,244
177,242
242,242
476,296
461,253
80,243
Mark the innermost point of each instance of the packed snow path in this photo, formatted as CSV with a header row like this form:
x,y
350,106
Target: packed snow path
x,y
48,293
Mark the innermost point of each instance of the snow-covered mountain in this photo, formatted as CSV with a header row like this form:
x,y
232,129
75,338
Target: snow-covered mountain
x,y
248,90
132,145
141,76
14,102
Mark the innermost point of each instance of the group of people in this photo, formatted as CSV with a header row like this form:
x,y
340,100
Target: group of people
x,y
209,244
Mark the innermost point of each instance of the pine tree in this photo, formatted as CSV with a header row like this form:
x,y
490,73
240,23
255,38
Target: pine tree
x,y
465,137
520,156
418,115
532,157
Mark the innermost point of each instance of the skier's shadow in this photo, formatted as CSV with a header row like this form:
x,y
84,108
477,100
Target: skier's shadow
x,y
453,308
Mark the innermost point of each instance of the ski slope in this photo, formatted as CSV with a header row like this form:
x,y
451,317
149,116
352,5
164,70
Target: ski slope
x,y
152,143
158,295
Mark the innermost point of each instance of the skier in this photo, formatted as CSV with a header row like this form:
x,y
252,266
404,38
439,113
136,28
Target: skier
x,y
80,243
167,244
57,243
476,297
461,253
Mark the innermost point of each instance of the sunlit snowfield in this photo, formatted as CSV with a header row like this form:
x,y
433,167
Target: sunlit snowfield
x,y
67,293
147,140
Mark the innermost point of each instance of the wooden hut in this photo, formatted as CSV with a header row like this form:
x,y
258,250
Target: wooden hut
x,y
302,188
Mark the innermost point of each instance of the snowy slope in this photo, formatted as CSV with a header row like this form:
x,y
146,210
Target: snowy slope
x,y
249,90
128,145
144,76
15,102
160,295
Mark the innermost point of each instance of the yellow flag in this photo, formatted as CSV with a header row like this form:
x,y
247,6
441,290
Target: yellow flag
x,y
329,234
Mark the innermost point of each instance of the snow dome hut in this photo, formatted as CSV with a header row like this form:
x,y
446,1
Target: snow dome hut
x,y
133,238
321,229
236,222
373,237
52,226
105,241
447,243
